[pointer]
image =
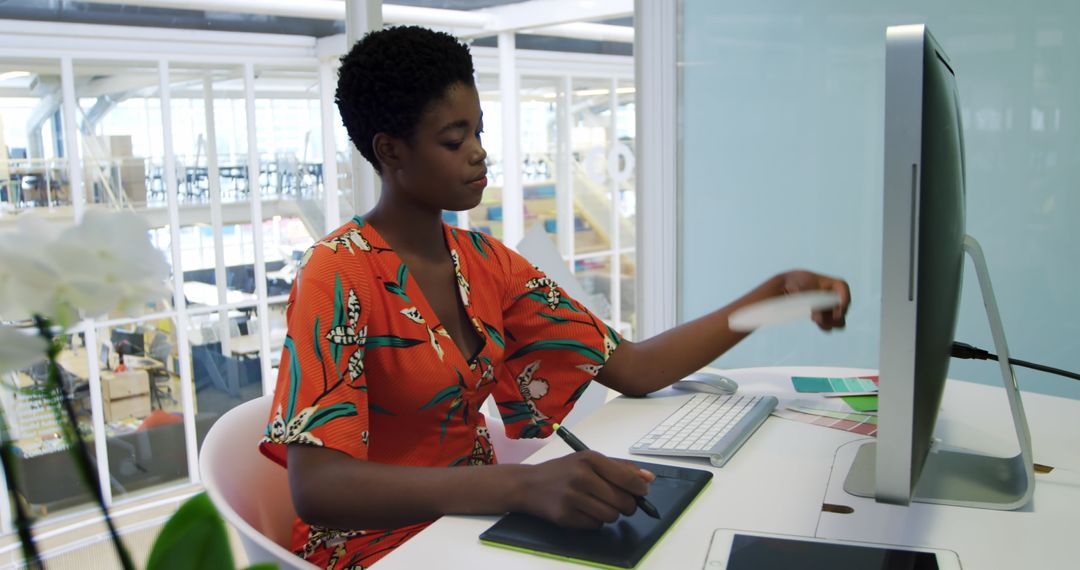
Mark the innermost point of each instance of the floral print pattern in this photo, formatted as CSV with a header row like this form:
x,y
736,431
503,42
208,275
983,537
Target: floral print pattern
x,y
368,370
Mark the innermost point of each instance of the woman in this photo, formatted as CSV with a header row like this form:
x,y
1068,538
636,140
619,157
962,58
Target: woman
x,y
400,327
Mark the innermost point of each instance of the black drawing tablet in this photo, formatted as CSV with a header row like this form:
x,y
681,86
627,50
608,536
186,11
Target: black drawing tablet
x,y
621,544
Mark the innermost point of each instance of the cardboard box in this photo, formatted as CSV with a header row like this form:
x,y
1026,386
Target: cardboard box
x,y
132,406
132,179
117,385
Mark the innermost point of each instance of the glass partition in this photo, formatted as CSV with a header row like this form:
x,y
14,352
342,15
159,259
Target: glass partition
x,y
225,368
141,404
538,116
488,216
119,120
33,169
782,150
47,479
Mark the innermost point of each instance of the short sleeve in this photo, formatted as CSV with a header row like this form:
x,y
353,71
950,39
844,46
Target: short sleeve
x,y
321,393
554,348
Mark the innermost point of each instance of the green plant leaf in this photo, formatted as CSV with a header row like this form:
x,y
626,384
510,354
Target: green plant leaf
x,y
516,417
294,376
541,297
262,566
614,336
338,410
560,344
478,243
578,393
442,395
529,431
380,410
391,341
495,336
316,339
339,318
194,537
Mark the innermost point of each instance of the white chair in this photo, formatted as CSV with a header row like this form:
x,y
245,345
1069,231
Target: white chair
x,y
250,491
509,450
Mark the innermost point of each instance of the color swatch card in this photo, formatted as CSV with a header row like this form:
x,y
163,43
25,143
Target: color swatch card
x,y
818,385
837,405
850,416
846,423
862,403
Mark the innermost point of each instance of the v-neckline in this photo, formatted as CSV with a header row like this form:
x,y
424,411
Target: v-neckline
x,y
421,298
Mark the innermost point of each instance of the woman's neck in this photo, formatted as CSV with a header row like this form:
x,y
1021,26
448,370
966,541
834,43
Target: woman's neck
x,y
407,228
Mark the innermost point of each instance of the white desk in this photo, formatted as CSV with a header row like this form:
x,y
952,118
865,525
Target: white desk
x,y
250,344
778,481
198,293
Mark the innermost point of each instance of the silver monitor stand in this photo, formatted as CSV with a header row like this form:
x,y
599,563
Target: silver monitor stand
x,y
964,478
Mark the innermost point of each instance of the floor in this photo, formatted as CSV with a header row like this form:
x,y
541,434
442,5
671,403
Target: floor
x,y
78,545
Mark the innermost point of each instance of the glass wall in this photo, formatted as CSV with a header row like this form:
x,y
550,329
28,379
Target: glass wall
x,y
139,368
135,378
781,161
33,169
141,405
599,182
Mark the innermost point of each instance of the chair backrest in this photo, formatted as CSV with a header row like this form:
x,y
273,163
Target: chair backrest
x,y
508,450
250,491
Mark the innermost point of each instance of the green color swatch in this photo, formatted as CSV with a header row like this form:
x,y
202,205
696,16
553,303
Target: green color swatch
x,y
862,403
817,384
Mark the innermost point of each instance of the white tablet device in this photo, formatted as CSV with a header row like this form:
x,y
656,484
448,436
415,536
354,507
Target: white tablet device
x,y
783,309
743,550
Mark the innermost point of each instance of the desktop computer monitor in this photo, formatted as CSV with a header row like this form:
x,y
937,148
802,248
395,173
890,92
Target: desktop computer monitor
x,y
923,248
128,342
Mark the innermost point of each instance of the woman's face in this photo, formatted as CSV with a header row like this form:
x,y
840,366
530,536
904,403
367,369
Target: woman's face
x,y
443,167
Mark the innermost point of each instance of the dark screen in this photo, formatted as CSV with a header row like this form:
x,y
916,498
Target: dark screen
x,y
941,246
757,552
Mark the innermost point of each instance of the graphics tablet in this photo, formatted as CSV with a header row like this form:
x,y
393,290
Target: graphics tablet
x,y
621,544
744,550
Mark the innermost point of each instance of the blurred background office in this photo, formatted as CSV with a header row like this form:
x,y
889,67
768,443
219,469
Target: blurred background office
x,y
215,122
760,149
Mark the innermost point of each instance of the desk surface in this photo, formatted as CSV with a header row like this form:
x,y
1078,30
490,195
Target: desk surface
x,y
75,361
199,293
783,474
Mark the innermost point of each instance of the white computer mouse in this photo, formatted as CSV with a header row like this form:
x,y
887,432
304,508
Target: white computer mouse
x,y
707,382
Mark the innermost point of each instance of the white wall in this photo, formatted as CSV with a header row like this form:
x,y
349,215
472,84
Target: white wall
x,y
781,166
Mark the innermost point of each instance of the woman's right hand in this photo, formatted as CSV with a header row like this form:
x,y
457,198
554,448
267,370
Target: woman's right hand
x,y
584,489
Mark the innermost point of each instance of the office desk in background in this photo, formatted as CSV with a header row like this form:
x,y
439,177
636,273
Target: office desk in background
x,y
198,293
783,474
249,345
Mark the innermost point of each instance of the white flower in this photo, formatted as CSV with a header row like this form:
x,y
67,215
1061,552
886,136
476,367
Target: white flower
x,y
106,263
19,350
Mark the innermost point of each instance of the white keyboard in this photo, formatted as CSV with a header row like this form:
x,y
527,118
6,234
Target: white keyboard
x,y
707,425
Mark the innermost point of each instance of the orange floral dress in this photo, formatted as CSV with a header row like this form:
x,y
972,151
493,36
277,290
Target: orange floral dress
x,y
368,370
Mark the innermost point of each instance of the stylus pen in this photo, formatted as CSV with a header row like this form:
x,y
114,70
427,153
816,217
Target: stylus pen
x,y
576,445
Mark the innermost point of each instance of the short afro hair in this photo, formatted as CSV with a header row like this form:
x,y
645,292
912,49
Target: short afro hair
x,y
390,76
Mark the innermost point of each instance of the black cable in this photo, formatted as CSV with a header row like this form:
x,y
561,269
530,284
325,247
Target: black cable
x,y
964,350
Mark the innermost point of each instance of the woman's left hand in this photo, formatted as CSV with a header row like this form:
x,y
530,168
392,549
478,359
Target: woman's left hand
x,y
798,281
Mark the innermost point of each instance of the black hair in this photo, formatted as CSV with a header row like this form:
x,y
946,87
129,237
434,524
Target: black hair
x,y
390,76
